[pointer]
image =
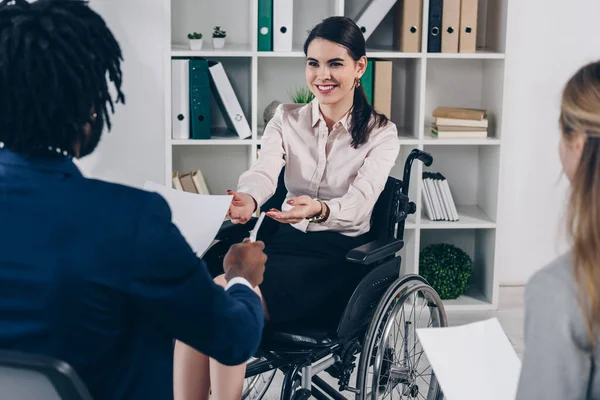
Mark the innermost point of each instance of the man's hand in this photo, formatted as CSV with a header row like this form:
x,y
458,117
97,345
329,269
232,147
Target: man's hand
x,y
246,260
242,207
303,207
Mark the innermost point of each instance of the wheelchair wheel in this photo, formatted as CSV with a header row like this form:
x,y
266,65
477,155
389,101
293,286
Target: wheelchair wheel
x,y
392,362
256,386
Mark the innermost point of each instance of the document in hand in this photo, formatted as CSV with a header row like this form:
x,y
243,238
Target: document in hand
x,y
198,217
472,362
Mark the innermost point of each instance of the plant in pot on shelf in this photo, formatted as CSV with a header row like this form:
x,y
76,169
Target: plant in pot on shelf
x,y
219,36
447,268
302,96
195,41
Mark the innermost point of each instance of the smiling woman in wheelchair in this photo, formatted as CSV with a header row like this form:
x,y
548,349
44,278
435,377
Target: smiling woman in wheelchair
x,y
321,169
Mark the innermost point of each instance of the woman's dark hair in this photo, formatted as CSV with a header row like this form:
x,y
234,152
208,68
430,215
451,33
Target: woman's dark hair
x,y
55,56
343,31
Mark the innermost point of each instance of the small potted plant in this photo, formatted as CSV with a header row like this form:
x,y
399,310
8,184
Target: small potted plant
x,y
219,37
302,96
195,41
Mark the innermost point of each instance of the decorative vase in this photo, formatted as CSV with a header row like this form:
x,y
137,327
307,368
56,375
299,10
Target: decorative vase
x,y
270,111
218,43
195,44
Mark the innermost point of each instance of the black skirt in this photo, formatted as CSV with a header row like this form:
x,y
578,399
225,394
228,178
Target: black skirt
x,y
307,279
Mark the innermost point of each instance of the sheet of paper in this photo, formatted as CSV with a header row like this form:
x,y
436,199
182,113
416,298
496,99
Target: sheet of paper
x,y
473,362
198,217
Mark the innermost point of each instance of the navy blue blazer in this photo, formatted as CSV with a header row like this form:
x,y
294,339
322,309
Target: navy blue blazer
x,y
96,274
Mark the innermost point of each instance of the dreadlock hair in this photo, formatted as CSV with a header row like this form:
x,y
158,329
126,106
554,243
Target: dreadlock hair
x,y
54,59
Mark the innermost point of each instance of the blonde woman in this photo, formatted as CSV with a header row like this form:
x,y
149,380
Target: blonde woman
x,y
562,301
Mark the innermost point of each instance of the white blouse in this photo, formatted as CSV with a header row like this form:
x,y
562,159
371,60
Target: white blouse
x,y
323,165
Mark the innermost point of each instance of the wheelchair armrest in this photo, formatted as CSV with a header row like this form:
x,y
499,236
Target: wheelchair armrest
x,y
374,251
236,232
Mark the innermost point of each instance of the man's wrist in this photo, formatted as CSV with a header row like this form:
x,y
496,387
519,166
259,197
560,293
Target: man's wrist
x,y
238,280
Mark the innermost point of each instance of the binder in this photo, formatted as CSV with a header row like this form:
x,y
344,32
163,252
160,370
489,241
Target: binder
x,y
367,81
199,182
227,100
372,15
450,25
407,26
452,204
434,36
283,21
199,99
468,26
180,99
265,25
176,182
382,87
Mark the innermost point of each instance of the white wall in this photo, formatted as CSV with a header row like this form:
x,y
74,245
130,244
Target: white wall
x,y
133,151
543,51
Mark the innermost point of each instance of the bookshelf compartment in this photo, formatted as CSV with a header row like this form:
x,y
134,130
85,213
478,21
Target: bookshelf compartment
x,y
468,83
479,245
472,174
221,166
239,72
290,76
382,38
202,16
406,96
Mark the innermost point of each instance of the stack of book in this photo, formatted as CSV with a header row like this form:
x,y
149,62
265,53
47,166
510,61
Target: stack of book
x,y
192,182
437,198
455,122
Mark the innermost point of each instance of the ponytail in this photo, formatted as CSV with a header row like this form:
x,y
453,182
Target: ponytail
x,y
361,118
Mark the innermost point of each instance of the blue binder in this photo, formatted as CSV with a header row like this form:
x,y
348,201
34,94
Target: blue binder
x,y
200,99
434,36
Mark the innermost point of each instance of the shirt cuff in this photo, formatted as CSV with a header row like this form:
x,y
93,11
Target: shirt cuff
x,y
238,280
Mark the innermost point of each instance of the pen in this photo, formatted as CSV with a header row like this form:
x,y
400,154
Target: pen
x,y
254,231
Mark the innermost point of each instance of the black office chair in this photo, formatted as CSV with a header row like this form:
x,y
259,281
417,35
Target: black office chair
x,y
26,376
374,316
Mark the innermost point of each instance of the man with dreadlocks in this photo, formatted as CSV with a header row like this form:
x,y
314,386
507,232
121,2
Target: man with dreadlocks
x,y
94,273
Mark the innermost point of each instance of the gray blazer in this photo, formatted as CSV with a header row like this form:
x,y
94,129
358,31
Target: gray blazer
x,y
558,362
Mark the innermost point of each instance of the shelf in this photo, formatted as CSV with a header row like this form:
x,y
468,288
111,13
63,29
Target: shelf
x,y
283,54
217,141
432,141
230,50
473,300
480,54
470,217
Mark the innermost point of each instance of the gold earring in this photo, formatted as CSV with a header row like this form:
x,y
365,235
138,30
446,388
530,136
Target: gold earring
x,y
357,82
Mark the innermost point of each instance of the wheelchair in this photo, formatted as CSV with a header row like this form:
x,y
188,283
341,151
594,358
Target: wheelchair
x,y
378,324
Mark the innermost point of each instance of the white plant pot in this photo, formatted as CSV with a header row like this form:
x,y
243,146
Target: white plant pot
x,y
195,44
218,43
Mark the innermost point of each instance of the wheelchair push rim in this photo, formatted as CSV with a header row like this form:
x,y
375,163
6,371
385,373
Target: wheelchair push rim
x,y
256,386
393,364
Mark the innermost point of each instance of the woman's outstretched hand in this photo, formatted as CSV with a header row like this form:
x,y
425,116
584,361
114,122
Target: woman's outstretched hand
x,y
303,207
241,208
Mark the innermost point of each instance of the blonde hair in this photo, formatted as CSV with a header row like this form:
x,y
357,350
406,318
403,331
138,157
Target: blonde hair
x,y
580,115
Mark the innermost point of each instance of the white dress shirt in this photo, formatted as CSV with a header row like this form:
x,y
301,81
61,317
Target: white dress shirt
x,y
323,165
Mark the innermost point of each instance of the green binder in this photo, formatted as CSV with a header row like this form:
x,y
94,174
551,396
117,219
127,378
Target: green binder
x,y
265,25
200,99
367,81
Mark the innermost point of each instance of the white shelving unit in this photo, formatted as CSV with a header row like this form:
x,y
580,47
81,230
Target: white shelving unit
x,y
421,81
